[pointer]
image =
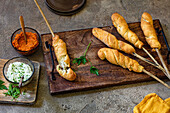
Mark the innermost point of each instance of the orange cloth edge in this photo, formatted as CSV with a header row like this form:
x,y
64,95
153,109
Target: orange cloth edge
x,y
167,101
143,101
146,98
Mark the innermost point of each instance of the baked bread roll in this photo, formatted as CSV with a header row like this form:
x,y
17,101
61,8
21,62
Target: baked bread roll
x,y
122,27
63,59
111,41
115,57
149,31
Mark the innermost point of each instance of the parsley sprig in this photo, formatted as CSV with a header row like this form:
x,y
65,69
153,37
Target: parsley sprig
x,y
82,59
13,91
93,69
2,86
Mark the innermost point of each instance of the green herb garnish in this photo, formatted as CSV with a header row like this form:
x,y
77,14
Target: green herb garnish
x,y
82,59
79,60
93,69
2,86
13,91
14,80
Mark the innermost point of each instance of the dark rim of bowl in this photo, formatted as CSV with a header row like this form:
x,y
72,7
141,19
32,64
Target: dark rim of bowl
x,y
31,49
16,58
60,11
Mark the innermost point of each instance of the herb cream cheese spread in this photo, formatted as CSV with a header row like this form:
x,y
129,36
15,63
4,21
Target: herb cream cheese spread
x,y
18,69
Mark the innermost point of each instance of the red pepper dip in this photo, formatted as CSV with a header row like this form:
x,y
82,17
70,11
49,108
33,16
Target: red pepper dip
x,y
20,43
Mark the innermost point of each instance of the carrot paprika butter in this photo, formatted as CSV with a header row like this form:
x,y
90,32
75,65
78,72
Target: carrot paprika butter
x,y
20,43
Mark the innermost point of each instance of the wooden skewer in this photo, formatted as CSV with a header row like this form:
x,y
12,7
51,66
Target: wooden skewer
x,y
149,62
158,65
156,78
23,27
44,18
163,63
52,33
150,56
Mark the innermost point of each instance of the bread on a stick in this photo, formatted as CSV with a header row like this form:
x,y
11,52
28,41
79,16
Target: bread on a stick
x,y
149,31
117,58
63,59
122,27
111,41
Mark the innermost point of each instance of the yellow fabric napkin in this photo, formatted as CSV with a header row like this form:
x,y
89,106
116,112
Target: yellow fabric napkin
x,y
152,103
167,101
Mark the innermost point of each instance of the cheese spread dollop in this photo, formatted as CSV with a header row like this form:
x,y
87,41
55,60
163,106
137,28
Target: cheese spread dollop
x,y
18,69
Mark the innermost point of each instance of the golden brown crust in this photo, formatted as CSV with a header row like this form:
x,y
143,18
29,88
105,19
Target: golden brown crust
x,y
115,57
63,59
122,27
68,75
111,41
149,31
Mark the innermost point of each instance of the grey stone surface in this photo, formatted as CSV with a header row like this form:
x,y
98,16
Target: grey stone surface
x,y
119,99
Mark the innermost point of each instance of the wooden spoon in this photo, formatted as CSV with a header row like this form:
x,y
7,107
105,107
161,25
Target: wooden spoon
x,y
23,27
20,82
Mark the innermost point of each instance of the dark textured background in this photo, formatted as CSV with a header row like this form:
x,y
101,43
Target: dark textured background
x,y
119,99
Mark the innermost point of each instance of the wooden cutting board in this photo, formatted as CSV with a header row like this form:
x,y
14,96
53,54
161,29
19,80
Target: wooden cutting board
x,y
31,88
110,75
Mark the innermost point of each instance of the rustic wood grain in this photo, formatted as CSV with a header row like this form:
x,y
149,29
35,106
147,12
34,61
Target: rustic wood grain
x,y
31,88
110,74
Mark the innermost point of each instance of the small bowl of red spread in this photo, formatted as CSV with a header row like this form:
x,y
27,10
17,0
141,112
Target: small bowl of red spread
x,y
22,46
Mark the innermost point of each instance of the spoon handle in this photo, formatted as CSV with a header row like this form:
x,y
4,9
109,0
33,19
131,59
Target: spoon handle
x,y
20,82
23,27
